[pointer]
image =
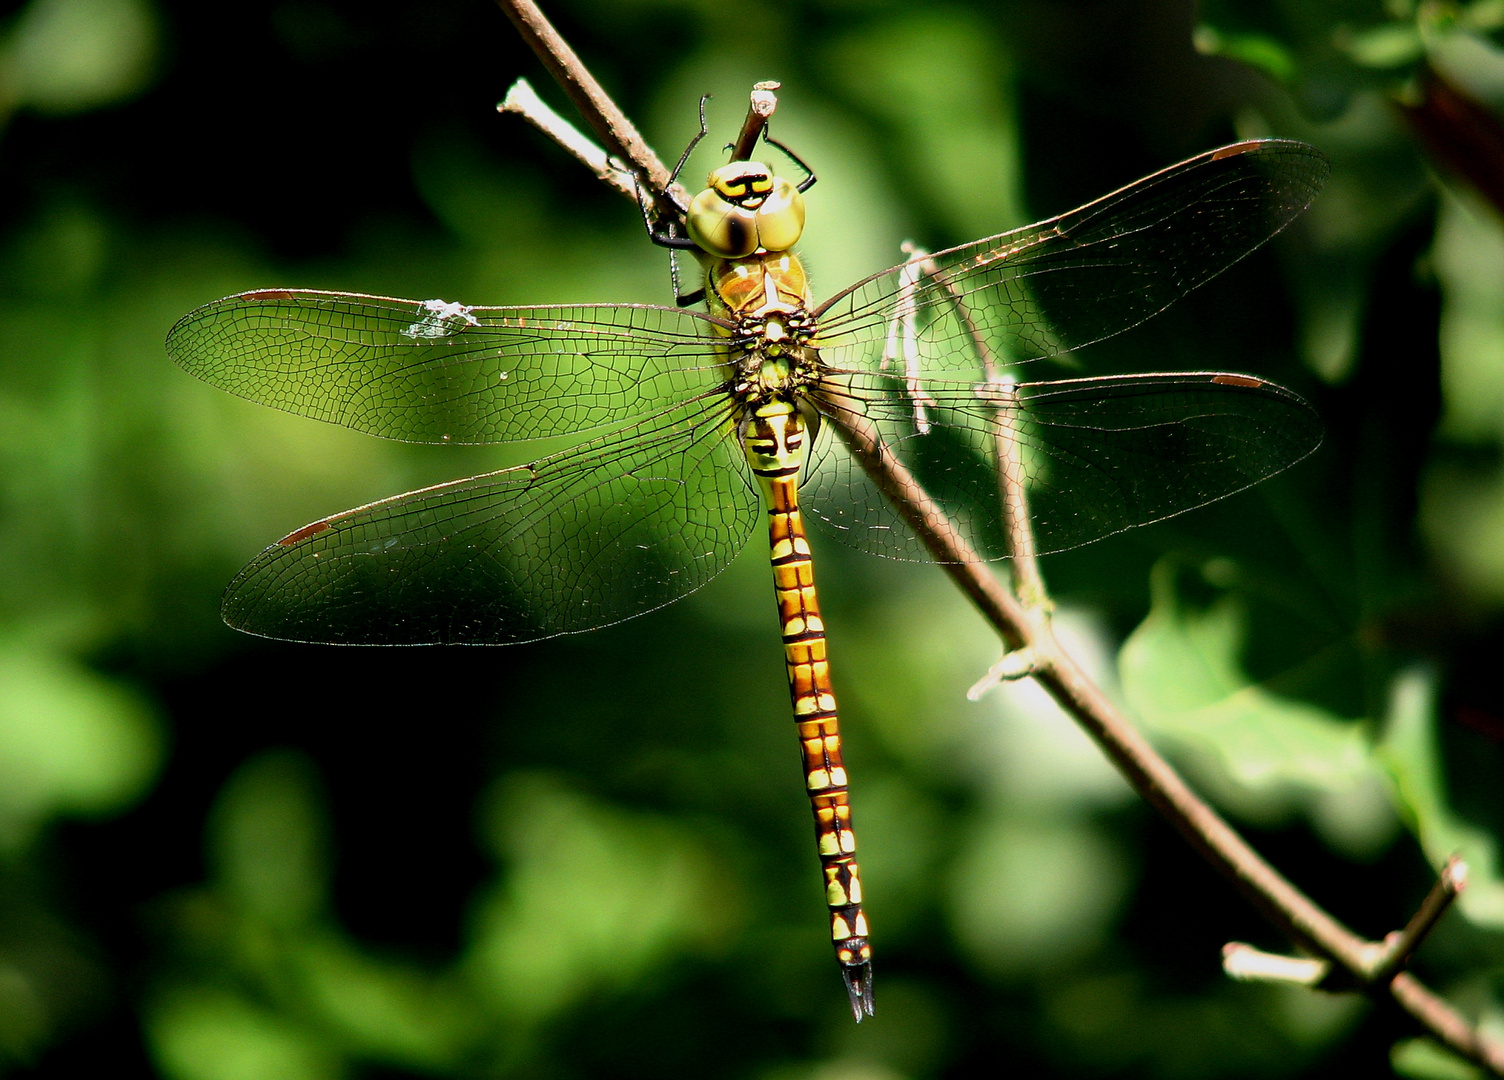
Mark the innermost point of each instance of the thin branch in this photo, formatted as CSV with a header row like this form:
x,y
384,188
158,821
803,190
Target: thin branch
x,y
524,101
1446,1024
1399,946
1462,136
1247,964
1018,525
1384,960
764,102
998,389
608,122
1285,906
901,345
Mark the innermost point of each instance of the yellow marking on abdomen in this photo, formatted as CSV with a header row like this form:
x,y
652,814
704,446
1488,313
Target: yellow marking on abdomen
x,y
810,690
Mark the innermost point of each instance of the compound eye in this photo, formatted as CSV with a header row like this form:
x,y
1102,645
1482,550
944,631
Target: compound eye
x,y
720,227
780,219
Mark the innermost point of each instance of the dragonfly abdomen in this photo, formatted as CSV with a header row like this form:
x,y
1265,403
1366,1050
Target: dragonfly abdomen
x,y
774,439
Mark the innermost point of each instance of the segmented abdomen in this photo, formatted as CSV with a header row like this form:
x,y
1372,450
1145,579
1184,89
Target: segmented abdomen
x,y
819,731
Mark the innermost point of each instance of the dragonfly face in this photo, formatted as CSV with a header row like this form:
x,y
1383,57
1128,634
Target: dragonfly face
x,y
702,413
743,209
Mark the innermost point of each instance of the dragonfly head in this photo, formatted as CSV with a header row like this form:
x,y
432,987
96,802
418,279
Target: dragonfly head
x,y
745,208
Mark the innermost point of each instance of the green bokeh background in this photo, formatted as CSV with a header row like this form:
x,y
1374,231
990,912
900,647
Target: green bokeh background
x,y
229,859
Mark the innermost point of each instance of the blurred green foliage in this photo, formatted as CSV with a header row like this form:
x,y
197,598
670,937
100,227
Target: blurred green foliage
x,y
223,859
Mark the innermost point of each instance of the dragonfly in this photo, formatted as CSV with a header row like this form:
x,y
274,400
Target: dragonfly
x,y
695,424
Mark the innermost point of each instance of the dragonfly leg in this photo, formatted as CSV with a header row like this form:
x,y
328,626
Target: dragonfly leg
x,y
684,157
809,174
670,237
682,298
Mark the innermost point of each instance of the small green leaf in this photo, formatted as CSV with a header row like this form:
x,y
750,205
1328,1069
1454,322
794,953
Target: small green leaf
x,y
1410,751
1260,753
1423,1059
1256,50
1383,48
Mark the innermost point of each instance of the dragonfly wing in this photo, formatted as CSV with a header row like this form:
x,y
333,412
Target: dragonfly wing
x,y
1098,455
436,372
587,537
1086,275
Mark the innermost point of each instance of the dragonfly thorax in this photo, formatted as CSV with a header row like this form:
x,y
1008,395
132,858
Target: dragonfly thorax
x,y
771,355
757,284
764,302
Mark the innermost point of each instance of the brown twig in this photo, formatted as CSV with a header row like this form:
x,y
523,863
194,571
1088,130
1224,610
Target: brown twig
x,y
1399,946
759,112
1463,137
1018,526
609,123
1245,963
1445,1023
1383,960
1285,906
522,100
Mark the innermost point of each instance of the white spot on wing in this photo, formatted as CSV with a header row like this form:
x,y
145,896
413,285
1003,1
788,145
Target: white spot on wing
x,y
439,319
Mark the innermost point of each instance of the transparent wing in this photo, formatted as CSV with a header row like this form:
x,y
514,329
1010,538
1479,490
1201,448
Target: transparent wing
x,y
1075,279
1098,455
588,537
435,372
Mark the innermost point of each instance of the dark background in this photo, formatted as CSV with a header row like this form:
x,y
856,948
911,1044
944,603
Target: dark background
x,y
231,859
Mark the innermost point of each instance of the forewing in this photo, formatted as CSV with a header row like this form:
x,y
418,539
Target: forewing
x,y
1075,279
1098,455
436,372
588,537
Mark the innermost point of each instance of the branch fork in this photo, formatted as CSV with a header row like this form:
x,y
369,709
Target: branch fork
x,y
1338,959
1015,664
1383,960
